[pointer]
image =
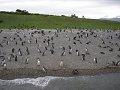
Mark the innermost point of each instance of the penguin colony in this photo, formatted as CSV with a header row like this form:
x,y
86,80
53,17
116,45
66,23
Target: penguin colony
x,y
58,49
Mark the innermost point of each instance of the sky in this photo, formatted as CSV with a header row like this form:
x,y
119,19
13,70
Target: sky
x,y
88,8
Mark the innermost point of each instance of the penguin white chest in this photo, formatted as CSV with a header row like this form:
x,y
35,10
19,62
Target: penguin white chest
x,y
38,62
61,64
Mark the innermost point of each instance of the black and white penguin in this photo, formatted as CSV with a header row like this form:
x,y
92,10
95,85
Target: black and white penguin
x,y
38,62
44,69
29,41
36,41
9,57
13,50
83,57
16,58
95,60
61,64
27,50
52,51
39,51
63,53
43,53
5,65
3,62
86,51
19,52
27,60
77,52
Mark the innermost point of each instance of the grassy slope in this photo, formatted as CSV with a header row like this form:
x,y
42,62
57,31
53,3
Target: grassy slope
x,y
52,22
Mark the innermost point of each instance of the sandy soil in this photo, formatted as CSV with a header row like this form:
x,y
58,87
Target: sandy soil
x,y
103,50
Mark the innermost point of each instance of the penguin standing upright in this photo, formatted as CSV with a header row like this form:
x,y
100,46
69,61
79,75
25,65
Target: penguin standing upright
x,y
3,62
44,69
19,52
38,61
27,50
13,50
70,51
16,58
61,64
52,51
26,61
5,65
78,54
86,51
95,60
83,57
39,51
36,41
9,57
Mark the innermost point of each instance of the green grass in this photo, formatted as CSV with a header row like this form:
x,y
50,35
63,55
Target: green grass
x,y
9,21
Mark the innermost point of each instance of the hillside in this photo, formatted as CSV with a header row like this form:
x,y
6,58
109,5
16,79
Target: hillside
x,y
112,19
9,21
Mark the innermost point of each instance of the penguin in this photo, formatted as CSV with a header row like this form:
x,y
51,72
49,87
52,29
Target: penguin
x,y
20,39
86,51
5,65
36,41
63,53
39,51
13,50
69,47
75,72
39,45
74,38
47,43
27,50
86,34
38,62
111,37
114,63
118,63
74,43
83,57
3,62
43,54
7,43
9,57
26,61
61,64
70,51
102,52
52,46
88,42
78,54
118,56
16,42
52,51
22,43
1,45
45,48
103,42
63,48
95,60
69,39
44,69
66,36
29,41
19,52
16,58
111,49
119,49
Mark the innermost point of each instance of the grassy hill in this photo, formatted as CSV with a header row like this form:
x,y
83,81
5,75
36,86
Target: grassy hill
x,y
9,21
